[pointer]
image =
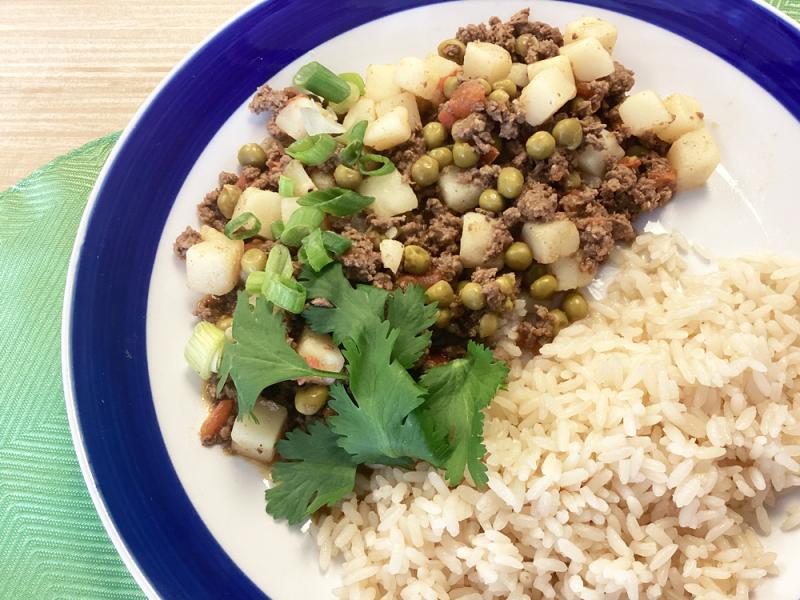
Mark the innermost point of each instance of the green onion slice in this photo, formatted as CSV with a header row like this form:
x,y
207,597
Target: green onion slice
x,y
313,150
203,351
237,229
351,153
285,186
286,293
355,79
336,201
254,282
277,229
321,81
336,243
279,262
386,165
302,222
316,255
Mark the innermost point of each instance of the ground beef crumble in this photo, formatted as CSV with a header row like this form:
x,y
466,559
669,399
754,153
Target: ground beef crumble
x,y
188,238
213,308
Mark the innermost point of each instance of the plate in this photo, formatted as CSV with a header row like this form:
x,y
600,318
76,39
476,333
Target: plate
x,y
189,522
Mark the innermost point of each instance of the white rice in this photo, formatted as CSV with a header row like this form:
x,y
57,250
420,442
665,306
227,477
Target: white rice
x,y
630,459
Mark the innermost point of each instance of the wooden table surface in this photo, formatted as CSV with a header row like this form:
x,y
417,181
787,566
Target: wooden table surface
x,y
73,70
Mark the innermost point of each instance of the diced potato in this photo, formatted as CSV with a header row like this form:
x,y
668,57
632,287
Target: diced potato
x,y
438,69
687,116
319,351
288,206
412,75
594,27
322,180
694,156
569,274
407,101
551,241
392,195
560,62
588,58
593,161
387,131
391,254
291,119
477,236
643,112
545,94
341,108
295,171
379,82
487,61
264,204
458,195
363,110
519,74
212,266
256,438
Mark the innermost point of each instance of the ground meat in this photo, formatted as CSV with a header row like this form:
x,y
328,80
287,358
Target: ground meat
x,y
620,82
442,229
447,266
260,244
581,202
652,142
383,224
474,129
496,32
207,211
590,96
510,117
496,300
538,202
656,186
362,262
557,166
210,391
501,239
546,41
597,241
267,178
213,308
406,154
593,129
537,329
512,217
485,176
184,241
268,100
614,191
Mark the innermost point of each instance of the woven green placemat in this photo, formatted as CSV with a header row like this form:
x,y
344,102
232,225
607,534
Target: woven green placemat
x,y
52,544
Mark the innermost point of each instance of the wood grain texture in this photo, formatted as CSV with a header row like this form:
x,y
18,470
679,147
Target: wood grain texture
x,y
73,70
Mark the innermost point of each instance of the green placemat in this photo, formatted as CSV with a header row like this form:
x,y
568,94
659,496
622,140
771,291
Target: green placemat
x,y
52,544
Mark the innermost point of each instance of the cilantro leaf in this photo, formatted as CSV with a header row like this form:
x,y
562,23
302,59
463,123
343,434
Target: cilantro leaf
x,y
408,312
457,392
260,355
321,474
377,425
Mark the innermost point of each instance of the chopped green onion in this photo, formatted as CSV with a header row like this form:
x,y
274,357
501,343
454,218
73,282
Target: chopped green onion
x,y
386,165
254,282
336,243
279,262
203,351
236,228
355,144
355,79
316,256
286,293
336,201
313,150
357,131
277,229
301,255
321,81
302,222
285,186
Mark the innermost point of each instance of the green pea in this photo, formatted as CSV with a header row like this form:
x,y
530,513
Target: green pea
x,y
491,200
568,133
416,259
425,171
440,292
518,256
573,180
487,87
508,86
254,259
252,155
346,177
464,155
455,129
575,306
472,296
227,198
506,283
308,399
540,145
442,155
510,182
522,44
488,325
443,316
449,86
452,50
544,287
500,96
533,273
434,134
560,319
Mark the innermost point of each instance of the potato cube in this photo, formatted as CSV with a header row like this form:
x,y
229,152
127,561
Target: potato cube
x,y
545,94
593,161
319,351
265,205
412,76
392,196
477,236
569,275
295,171
458,195
212,266
643,112
594,27
560,62
407,101
391,254
439,68
288,206
292,119
256,437
363,110
519,74
687,116
488,61
551,241
694,156
379,82
589,59
387,131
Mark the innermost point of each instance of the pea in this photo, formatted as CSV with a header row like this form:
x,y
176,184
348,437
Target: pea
x,y
460,286
506,283
568,133
224,322
464,155
522,44
573,180
508,86
455,130
487,87
544,287
425,171
575,306
308,399
518,256
252,155
440,292
561,319
416,259
227,198
443,317
449,86
508,304
536,270
452,50
472,296
442,155
434,134
500,96
637,150
346,177
253,260
491,200
540,145
510,182
487,325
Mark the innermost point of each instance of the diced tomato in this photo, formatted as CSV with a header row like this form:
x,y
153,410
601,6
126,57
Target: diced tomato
x,y
490,156
631,162
216,420
464,100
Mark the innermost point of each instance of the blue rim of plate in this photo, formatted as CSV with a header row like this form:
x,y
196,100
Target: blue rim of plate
x,y
136,491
